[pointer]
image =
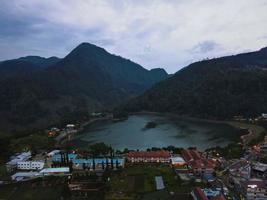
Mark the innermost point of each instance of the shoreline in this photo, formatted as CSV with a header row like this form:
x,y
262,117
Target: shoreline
x,y
254,131
63,138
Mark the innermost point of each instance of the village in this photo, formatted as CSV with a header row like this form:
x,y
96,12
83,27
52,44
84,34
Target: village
x,y
157,173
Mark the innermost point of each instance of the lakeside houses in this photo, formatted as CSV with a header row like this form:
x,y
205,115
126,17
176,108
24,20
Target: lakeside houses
x,y
256,189
197,163
206,194
160,156
30,165
12,164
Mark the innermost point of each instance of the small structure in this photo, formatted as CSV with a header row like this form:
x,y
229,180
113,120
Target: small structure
x,y
52,153
19,176
161,156
259,169
55,171
30,165
159,183
177,161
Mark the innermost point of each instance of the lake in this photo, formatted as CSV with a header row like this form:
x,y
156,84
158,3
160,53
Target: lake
x,y
133,134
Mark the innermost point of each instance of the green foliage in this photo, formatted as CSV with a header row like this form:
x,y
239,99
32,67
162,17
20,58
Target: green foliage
x,y
99,149
217,89
65,90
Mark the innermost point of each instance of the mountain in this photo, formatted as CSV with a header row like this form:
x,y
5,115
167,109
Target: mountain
x,y
215,89
55,91
24,65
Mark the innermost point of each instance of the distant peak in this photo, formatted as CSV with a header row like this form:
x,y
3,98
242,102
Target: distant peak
x,y
264,49
158,70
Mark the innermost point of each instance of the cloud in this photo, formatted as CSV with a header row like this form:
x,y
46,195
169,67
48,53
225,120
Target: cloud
x,y
154,33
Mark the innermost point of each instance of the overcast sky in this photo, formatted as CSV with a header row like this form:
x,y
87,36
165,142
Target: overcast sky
x,y
168,33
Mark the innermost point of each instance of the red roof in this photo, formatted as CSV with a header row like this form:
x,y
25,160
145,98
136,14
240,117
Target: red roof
x,y
149,154
200,194
219,197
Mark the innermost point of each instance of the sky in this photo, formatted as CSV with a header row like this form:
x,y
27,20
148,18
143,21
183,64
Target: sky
x,y
169,34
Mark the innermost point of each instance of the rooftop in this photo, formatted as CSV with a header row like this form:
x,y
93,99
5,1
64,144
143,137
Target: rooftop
x,y
149,154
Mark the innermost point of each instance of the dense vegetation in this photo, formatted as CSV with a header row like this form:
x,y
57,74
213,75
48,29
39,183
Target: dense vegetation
x,y
38,92
217,89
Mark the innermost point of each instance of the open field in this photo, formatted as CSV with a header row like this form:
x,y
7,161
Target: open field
x,y
137,182
40,189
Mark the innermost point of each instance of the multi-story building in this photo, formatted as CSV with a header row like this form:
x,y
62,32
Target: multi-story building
x,y
30,165
161,156
12,164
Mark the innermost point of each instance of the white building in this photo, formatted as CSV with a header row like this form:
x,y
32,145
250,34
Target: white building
x,y
24,175
55,171
30,165
12,164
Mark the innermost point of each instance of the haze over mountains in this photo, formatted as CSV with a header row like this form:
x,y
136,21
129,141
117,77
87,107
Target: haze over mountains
x,y
38,92
215,89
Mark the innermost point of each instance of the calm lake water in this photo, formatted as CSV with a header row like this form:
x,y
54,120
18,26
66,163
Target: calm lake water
x,y
132,134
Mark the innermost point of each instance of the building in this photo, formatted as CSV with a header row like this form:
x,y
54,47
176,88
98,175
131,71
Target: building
x,y
161,156
52,153
98,163
12,164
177,161
259,169
60,157
30,165
240,169
198,194
159,183
197,163
256,189
19,176
55,171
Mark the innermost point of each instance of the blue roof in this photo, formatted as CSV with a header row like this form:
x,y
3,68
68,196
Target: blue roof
x,y
97,161
57,157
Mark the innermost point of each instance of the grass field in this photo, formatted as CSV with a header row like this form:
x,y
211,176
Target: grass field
x,y
137,182
41,189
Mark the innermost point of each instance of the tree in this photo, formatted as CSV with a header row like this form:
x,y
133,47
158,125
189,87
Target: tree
x,y
99,149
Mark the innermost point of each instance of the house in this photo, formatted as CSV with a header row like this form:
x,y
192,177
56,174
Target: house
x,y
241,169
256,189
259,169
198,194
12,164
55,171
30,165
197,163
177,161
98,163
160,156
